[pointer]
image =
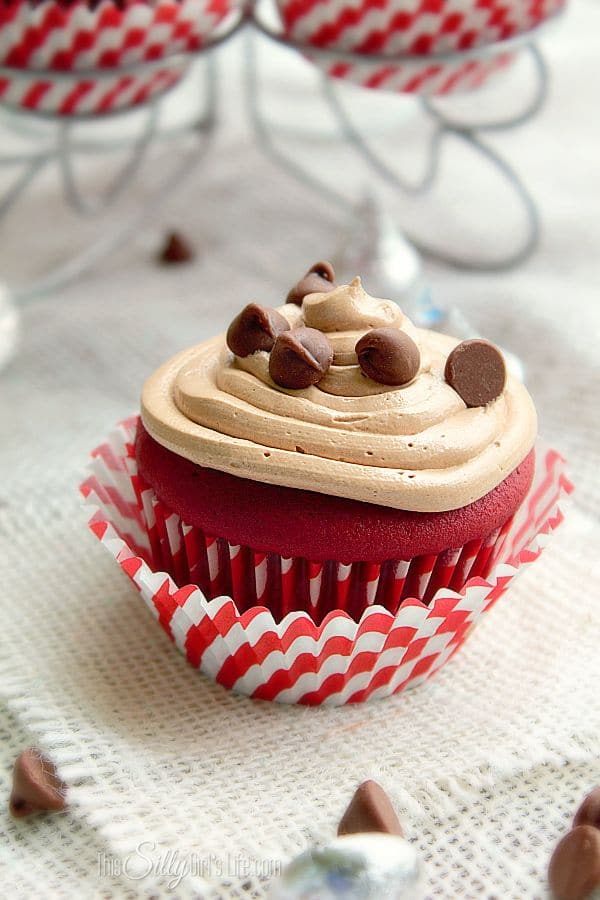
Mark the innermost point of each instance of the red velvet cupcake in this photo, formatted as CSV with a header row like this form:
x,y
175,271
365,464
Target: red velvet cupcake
x,y
330,456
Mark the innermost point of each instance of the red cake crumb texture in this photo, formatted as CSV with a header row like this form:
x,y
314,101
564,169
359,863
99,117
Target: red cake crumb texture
x,y
302,523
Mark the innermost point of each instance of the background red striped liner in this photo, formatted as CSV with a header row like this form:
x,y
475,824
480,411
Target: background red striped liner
x,y
296,661
37,41
419,28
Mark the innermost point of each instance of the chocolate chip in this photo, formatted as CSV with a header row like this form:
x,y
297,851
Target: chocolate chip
x,y
255,328
36,786
323,269
370,810
476,371
319,279
388,356
176,249
574,870
300,358
589,811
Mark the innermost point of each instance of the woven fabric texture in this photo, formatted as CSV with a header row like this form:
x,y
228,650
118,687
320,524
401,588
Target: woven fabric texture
x,y
486,763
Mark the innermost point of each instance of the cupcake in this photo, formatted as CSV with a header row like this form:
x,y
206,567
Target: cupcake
x,y
411,46
329,456
41,38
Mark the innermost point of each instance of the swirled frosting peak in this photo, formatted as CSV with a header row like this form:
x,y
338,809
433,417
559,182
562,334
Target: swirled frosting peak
x,y
413,446
349,308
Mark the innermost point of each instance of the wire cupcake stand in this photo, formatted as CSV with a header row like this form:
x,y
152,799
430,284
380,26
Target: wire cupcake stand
x,y
58,139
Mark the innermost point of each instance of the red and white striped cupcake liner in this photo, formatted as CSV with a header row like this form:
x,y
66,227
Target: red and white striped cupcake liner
x,y
394,625
80,58
431,35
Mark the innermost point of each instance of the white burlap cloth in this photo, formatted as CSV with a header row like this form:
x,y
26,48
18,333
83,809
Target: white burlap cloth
x,y
486,762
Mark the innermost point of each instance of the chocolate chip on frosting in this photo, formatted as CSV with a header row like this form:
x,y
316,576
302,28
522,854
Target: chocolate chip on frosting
x,y
388,356
476,371
36,786
370,810
255,328
319,279
300,358
574,871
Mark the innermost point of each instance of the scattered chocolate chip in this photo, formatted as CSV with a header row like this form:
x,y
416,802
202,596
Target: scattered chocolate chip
x,y
574,870
255,328
589,811
370,810
319,279
388,356
176,249
300,358
476,371
36,786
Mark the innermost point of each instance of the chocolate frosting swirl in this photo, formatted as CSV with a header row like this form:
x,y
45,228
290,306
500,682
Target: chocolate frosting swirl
x,y
414,447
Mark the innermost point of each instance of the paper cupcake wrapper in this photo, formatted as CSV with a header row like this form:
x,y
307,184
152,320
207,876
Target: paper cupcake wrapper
x,y
426,77
291,584
295,660
78,38
415,28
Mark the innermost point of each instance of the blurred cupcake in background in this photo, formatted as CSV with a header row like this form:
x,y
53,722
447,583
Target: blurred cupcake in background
x,y
40,38
437,37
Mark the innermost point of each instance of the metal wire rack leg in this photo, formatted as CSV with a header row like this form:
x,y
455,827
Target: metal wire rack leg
x,y
67,149
531,109
445,126
265,133
66,146
34,165
468,137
